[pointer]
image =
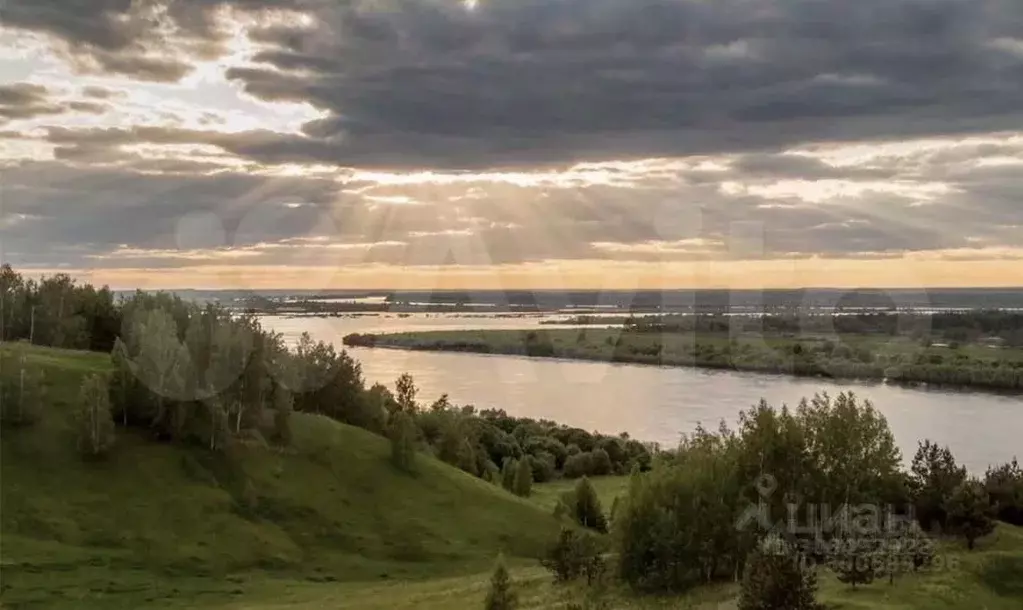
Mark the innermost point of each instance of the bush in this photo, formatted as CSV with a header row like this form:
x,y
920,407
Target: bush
x,y
500,596
587,509
600,463
577,465
775,579
508,474
970,513
854,561
543,466
523,484
572,556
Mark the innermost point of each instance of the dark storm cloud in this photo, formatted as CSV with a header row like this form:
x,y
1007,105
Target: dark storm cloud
x,y
54,211
527,82
26,101
518,84
531,82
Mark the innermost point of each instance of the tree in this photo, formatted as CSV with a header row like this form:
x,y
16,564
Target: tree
x,y
284,404
902,547
854,560
600,462
21,399
970,513
1005,486
123,384
775,579
677,527
403,441
93,419
491,473
573,555
500,596
508,471
849,449
219,427
578,464
405,393
588,511
934,475
523,484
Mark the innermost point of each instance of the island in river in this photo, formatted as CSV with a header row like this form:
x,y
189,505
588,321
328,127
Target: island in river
x,y
974,349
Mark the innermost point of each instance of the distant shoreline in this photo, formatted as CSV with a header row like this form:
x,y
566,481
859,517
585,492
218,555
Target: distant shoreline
x,y
714,353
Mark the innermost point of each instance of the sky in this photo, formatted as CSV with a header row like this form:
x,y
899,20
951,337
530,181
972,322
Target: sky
x,y
322,144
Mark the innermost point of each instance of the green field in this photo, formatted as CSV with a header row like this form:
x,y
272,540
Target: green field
x,y
330,524
899,359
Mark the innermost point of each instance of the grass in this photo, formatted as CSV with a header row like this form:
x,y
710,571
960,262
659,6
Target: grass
x,y
546,495
329,524
162,521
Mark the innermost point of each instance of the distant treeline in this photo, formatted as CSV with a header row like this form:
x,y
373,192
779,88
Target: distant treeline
x,y
999,327
644,302
727,300
203,374
704,344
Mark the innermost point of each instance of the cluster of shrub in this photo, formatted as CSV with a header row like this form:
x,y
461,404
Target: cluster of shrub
x,y
825,358
786,494
963,327
508,450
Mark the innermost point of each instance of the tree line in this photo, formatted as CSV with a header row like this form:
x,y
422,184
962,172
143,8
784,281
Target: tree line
x,y
788,493
200,373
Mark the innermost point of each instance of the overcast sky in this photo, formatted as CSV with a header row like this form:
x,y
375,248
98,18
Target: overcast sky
x,y
512,143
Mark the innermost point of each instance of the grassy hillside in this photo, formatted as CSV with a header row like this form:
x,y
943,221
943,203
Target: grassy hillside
x,y
159,522
329,524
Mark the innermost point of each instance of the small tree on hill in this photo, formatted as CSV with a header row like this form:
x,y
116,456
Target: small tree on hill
x,y
934,475
970,513
219,430
775,579
93,419
500,596
405,393
573,555
1005,486
491,473
20,400
523,485
588,511
284,404
403,441
508,474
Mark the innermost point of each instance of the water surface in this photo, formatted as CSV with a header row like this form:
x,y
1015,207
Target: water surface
x,y
659,403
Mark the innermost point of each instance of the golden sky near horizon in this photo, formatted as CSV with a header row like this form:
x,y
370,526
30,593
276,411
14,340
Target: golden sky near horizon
x,y
436,144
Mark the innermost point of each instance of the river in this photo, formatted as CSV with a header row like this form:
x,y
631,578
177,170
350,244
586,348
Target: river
x,y
657,403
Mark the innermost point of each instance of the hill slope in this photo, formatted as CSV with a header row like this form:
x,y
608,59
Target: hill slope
x,y
158,521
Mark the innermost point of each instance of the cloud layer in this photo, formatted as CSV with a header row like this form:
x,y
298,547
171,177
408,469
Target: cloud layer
x,y
425,132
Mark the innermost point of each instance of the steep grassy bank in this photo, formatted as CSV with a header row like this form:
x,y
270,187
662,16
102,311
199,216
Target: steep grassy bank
x,y
158,522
